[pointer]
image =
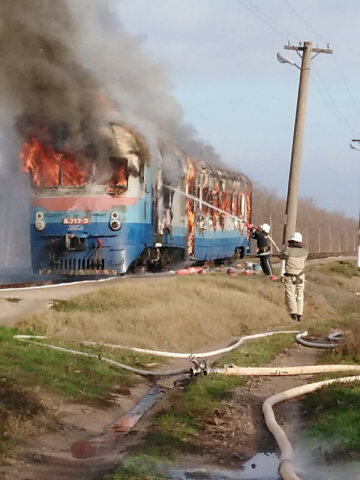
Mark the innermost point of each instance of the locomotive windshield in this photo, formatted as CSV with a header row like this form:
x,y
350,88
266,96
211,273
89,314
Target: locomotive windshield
x,y
53,169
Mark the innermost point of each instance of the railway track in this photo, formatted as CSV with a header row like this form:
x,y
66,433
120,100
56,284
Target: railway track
x,y
62,280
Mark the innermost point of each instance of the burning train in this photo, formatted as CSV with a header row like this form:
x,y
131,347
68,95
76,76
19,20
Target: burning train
x,y
143,205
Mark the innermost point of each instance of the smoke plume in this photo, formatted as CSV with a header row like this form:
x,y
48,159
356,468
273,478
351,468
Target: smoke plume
x,y
67,69
72,66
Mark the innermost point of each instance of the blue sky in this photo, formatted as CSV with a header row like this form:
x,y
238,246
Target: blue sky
x,y
221,58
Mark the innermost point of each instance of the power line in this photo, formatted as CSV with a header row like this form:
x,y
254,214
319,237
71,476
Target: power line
x,y
331,102
263,17
354,102
305,21
284,33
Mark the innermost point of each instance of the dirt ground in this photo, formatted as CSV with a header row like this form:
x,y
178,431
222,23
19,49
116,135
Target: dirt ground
x,y
241,432
230,439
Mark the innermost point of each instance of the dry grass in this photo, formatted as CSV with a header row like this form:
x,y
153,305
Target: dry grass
x,y
351,345
178,313
337,283
23,414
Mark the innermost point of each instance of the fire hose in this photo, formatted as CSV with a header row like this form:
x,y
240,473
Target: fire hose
x,y
334,338
212,353
217,209
198,367
286,468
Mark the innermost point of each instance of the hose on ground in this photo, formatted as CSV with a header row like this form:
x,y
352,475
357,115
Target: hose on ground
x,y
212,353
286,468
32,339
145,373
333,338
233,370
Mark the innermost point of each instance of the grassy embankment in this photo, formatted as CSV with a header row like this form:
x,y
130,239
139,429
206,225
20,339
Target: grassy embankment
x,y
331,302
333,414
179,314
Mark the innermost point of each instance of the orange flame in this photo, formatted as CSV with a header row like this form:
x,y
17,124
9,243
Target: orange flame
x,y
190,209
48,167
119,179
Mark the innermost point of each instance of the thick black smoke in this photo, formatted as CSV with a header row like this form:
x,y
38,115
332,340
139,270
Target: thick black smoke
x,y
41,76
67,68
70,65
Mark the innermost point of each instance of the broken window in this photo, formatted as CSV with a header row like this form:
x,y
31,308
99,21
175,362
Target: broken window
x,y
51,168
119,178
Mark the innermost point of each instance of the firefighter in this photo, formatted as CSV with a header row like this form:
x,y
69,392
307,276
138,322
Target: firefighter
x,y
261,236
294,278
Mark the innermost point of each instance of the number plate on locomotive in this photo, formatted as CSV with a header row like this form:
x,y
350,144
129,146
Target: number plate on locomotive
x,y
76,221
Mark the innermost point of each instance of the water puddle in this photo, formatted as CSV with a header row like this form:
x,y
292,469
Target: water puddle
x,y
263,466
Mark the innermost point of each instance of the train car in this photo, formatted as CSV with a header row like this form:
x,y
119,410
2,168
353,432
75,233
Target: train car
x,y
150,204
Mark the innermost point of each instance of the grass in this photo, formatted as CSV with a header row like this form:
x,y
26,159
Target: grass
x,y
177,314
332,414
139,467
29,374
74,377
22,414
333,417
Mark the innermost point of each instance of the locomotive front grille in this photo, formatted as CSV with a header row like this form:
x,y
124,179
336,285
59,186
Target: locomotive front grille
x,y
78,267
79,264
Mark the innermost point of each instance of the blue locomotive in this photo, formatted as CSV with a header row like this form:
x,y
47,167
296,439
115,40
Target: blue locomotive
x,y
150,204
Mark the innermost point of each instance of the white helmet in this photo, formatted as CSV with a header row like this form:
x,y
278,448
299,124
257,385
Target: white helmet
x,y
296,237
265,227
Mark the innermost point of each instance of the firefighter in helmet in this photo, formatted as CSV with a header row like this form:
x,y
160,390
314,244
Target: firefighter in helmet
x,y
261,236
295,256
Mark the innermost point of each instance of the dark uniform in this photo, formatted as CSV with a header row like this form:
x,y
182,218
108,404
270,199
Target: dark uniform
x,y
263,251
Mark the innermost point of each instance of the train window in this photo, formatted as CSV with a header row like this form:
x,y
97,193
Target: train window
x,y
52,168
182,201
242,208
223,201
74,172
119,178
235,204
205,197
229,203
167,198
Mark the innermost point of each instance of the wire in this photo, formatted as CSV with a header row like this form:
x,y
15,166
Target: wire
x,y
263,17
333,106
304,21
354,102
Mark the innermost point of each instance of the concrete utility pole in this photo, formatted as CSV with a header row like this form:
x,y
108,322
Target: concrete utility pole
x,y
358,245
298,137
358,232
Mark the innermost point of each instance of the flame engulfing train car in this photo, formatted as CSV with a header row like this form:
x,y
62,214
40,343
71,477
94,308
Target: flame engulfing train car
x,y
149,204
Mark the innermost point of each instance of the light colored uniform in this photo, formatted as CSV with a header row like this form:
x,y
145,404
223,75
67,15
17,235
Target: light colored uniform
x,y
294,278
